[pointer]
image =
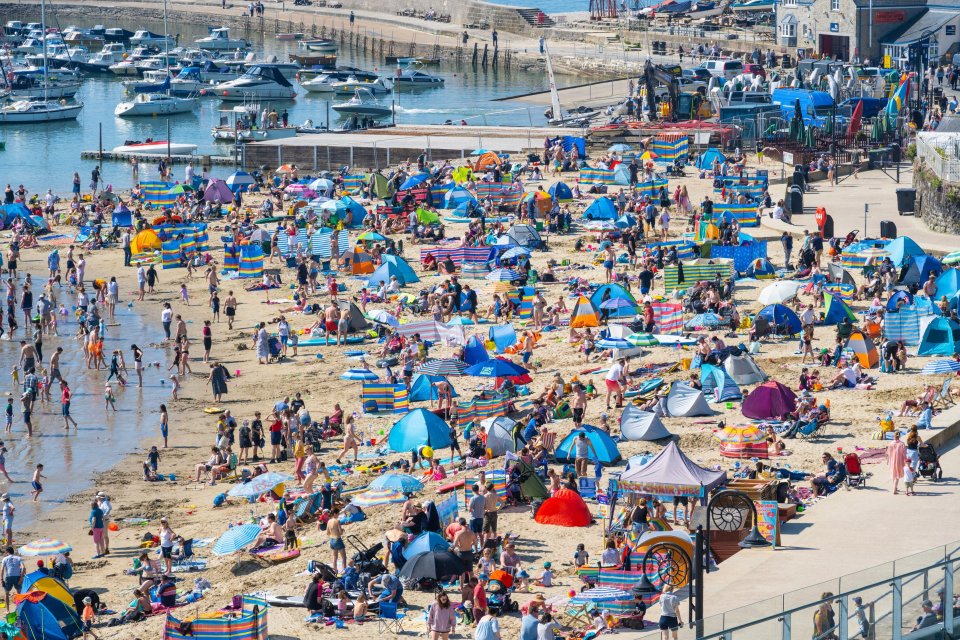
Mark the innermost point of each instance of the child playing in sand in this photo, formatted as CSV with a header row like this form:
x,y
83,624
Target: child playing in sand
x,y
581,556
174,385
109,402
35,483
360,607
290,534
546,578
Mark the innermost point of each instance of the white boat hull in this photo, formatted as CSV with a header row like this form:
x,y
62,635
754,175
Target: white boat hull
x,y
372,112
155,107
29,117
53,92
221,45
124,69
237,95
229,134
157,149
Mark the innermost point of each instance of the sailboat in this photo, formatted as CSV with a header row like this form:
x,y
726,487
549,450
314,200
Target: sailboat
x,y
45,110
554,114
160,102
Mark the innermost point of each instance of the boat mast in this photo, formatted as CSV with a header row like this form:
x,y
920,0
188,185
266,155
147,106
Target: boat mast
x,y
554,96
43,28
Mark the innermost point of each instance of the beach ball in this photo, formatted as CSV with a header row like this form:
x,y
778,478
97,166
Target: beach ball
x,y
427,452
113,527
381,432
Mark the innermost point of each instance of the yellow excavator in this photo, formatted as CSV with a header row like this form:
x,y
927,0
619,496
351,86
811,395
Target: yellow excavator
x,y
680,105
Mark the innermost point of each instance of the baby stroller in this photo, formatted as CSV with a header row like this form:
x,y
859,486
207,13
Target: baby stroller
x,y
273,344
929,465
855,475
499,589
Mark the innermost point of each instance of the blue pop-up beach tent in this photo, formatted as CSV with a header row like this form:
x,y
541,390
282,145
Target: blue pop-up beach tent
x,y
601,209
422,388
503,336
616,291
475,351
948,283
902,249
560,192
780,316
941,337
417,429
714,378
837,310
603,444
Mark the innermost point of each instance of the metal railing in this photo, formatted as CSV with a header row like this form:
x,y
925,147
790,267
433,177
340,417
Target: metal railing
x,y
942,158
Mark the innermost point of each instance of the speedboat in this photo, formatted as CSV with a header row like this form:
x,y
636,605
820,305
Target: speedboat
x,y
112,53
187,82
220,40
155,104
121,36
320,84
30,111
362,104
288,69
413,76
321,45
156,148
260,82
53,62
144,38
128,66
351,84
155,81
338,74
211,72
74,57
159,62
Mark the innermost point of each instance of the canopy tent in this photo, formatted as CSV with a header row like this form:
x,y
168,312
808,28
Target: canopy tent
x,y
417,429
770,401
684,401
706,159
671,473
641,425
715,382
918,270
902,249
146,240
744,369
742,442
560,192
948,283
601,209
423,388
940,337
837,310
474,351
584,314
894,302
499,432
564,509
526,236
611,291
606,449
864,349
761,269
783,320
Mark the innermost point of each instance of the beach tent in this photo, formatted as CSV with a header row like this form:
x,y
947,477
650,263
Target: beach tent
x,y
424,543
560,192
417,429
684,401
355,213
603,444
948,283
499,432
863,347
902,249
626,221
525,235
146,240
743,442
621,175
457,196
380,186
398,267
744,369
530,483
474,351
715,382
121,217
839,274
11,212
837,310
636,424
940,337
770,401
782,319
360,261
616,291
51,616
672,473
564,509
422,388
762,269
357,321
707,158
895,299
503,336
584,314
917,270
414,181
486,161
601,209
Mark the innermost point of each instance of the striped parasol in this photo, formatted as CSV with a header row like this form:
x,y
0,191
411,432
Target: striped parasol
x,y
613,343
236,538
376,498
45,547
642,340
742,442
951,258
600,594
940,366
502,275
359,374
499,287
617,303
443,367
396,482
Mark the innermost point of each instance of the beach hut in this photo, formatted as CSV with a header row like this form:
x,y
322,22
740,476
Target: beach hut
x,y
684,401
902,249
601,209
526,236
603,444
423,387
564,509
761,269
770,401
417,429
918,269
499,432
560,192
614,290
742,442
864,349
783,320
636,424
715,382
744,369
706,159
584,314
837,310
940,337
671,473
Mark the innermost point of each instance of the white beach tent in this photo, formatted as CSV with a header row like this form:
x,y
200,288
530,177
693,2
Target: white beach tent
x,y
636,424
744,370
684,401
499,435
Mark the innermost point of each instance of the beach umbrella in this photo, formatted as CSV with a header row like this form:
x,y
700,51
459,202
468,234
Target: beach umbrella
x,y
413,181
515,252
951,258
359,374
443,367
617,303
425,542
285,168
260,485
236,538
479,152
218,191
45,547
376,498
940,366
601,594
177,190
321,184
742,441
872,255
642,340
495,368
502,275
704,320
301,190
619,148
779,292
402,482
613,343
432,564
334,206
384,317
240,180
371,236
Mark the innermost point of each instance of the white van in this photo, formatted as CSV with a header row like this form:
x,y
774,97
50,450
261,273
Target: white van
x,y
726,69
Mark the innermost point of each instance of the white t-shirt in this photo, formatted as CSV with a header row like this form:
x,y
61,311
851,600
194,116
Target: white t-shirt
x,y
669,604
546,631
850,375
615,373
807,316
12,566
166,315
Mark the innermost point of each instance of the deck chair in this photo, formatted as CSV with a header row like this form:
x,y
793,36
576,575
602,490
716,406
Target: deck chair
x,y
810,430
577,616
588,487
187,553
389,619
943,397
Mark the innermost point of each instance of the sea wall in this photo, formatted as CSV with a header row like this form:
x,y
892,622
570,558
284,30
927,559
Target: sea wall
x,y
938,202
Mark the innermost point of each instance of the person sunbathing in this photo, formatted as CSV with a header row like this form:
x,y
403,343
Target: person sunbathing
x,y
272,533
912,407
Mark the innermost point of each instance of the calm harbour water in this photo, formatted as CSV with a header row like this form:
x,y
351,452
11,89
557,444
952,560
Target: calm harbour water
x,y
43,156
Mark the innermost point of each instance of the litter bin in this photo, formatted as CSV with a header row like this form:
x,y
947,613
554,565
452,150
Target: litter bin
x,y
888,229
906,200
795,200
828,227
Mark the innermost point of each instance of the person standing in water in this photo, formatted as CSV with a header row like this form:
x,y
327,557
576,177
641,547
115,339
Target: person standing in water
x,y
164,424
65,396
36,484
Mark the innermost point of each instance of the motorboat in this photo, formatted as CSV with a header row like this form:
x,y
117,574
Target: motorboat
x,y
152,82
144,38
320,84
156,148
13,28
337,73
321,45
260,82
288,69
159,62
215,73
74,57
121,36
86,38
128,66
220,40
30,46
34,111
412,75
240,125
53,50
295,35
155,104
362,104
112,53
193,57
187,82
351,84
36,83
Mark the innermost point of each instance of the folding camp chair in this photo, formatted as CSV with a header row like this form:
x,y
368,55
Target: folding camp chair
x,y
811,430
588,487
389,619
187,553
943,397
